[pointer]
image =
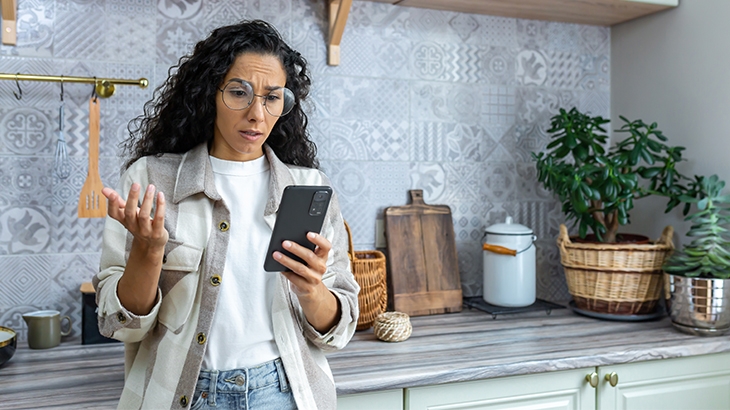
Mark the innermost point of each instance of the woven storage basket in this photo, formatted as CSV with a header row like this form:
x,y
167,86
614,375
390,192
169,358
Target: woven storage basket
x,y
369,270
619,279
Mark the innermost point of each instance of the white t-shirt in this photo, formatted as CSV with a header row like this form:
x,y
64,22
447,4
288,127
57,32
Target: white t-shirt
x,y
242,333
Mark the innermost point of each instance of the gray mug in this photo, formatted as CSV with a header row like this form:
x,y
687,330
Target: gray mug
x,y
44,328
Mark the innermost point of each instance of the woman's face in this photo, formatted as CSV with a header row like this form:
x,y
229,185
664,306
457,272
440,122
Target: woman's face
x,y
239,135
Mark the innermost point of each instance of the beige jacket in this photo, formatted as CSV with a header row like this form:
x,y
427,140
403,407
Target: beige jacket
x,y
164,349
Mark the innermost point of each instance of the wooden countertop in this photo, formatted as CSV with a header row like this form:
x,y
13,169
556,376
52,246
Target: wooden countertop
x,y
443,348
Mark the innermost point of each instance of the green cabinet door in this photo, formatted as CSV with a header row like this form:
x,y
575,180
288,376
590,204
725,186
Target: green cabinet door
x,y
699,382
565,390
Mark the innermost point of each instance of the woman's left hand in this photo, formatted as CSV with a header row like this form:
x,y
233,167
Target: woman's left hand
x,y
320,306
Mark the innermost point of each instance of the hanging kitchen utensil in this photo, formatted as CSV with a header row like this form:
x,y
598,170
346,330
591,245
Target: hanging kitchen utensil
x,y
61,167
92,203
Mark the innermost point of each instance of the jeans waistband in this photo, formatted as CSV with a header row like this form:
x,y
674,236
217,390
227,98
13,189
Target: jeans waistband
x,y
244,379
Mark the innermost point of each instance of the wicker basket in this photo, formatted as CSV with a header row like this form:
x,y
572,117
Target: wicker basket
x,y
369,270
619,279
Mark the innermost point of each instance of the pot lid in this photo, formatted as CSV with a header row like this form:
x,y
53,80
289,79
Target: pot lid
x,y
508,228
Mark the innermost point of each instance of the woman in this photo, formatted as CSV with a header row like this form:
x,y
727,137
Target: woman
x,y
182,280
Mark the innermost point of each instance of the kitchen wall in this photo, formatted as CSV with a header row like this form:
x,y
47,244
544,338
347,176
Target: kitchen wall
x,y
446,102
671,68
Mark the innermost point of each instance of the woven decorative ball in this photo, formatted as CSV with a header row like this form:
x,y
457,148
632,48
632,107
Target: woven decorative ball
x,y
392,327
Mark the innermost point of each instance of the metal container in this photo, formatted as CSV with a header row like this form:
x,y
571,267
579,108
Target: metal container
x,y
509,265
698,306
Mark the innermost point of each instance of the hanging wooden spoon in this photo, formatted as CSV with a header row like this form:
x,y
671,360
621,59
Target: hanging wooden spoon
x,y
92,203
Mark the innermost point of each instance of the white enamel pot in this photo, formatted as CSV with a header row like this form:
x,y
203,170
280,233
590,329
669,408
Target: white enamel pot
x,y
509,265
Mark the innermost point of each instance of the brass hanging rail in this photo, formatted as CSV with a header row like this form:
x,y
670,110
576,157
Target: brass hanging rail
x,y
104,86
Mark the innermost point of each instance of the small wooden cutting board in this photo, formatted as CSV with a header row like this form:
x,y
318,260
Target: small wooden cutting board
x,y
423,271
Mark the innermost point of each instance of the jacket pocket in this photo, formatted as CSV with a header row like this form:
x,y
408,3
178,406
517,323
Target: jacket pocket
x,y
178,283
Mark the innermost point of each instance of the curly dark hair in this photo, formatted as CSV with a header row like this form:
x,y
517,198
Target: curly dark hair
x,y
182,113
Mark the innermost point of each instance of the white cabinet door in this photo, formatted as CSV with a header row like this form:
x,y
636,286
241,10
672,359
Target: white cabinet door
x,y
380,400
700,382
566,390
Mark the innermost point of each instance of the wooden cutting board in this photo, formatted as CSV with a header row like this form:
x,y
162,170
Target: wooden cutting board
x,y
423,269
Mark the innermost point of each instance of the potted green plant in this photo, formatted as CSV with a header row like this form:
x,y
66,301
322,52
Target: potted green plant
x,y
697,278
597,187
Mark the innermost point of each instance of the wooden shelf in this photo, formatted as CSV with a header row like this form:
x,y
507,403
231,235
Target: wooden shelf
x,y
595,12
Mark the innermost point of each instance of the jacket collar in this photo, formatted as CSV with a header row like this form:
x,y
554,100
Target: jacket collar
x,y
195,175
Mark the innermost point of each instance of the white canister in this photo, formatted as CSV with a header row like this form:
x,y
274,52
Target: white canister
x,y
509,265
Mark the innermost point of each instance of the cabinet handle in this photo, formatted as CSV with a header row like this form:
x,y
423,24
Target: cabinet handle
x,y
592,379
612,379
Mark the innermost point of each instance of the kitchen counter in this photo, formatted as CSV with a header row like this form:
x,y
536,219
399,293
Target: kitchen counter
x,y
443,348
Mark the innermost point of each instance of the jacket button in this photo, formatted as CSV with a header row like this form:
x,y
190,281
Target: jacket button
x,y
201,338
184,401
121,318
215,280
223,226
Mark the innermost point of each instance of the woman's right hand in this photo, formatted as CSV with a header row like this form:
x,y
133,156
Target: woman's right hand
x,y
137,288
148,231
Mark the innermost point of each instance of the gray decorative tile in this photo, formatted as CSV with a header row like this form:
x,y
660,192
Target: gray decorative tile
x,y
179,9
596,72
79,30
563,36
564,69
217,13
597,39
537,105
496,31
551,283
524,139
337,140
390,183
531,68
532,34
464,25
470,267
528,187
595,103
460,186
24,230
498,65
67,274
175,39
130,37
498,181
468,218
26,181
71,234
27,131
431,178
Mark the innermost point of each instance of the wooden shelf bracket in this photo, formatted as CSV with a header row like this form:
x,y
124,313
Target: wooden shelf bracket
x,y
338,12
9,26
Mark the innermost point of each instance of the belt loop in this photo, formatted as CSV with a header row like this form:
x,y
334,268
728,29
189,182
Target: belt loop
x,y
213,387
283,385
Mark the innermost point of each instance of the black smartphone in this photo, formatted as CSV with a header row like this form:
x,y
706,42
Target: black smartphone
x,y
302,210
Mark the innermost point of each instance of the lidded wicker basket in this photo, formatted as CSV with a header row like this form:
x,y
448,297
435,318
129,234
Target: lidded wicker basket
x,y
368,267
619,279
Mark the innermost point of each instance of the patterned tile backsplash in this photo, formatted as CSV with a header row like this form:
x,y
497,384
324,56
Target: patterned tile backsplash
x,y
447,102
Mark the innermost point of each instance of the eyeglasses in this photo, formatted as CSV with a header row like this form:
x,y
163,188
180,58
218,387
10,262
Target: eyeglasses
x,y
238,95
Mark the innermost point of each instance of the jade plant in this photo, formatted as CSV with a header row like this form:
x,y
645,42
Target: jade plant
x,y
707,255
597,186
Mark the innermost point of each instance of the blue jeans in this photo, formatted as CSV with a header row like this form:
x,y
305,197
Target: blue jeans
x,y
263,387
